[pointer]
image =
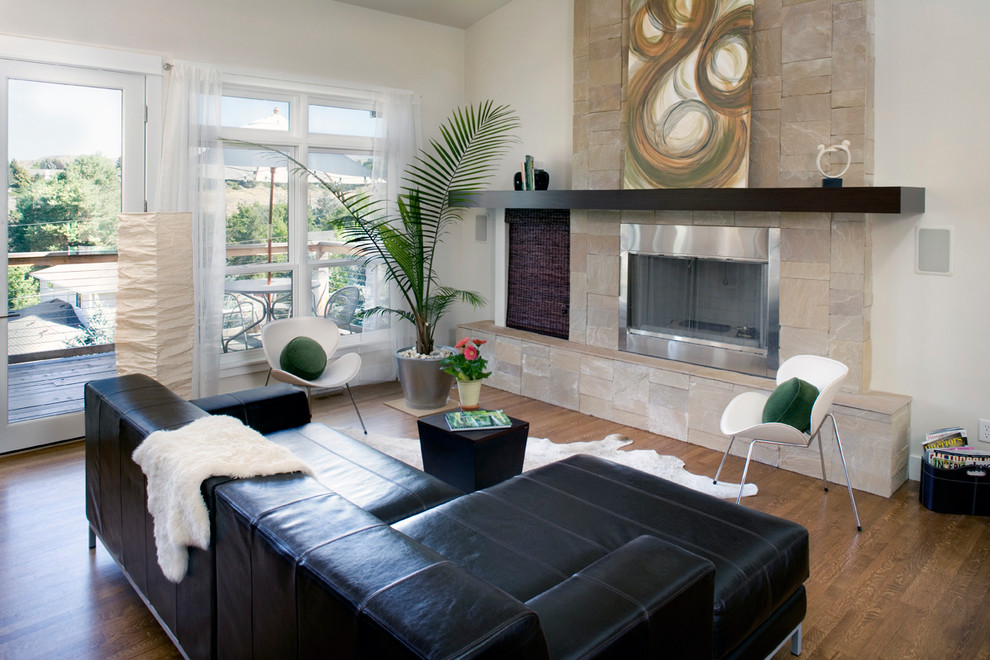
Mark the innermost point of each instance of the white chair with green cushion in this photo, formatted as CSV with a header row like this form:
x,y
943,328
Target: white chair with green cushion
x,y
793,415
300,352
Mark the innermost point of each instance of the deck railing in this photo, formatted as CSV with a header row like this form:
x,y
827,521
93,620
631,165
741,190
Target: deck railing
x,y
321,249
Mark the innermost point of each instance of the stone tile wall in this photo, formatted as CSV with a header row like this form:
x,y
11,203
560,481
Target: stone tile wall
x,y
813,84
685,402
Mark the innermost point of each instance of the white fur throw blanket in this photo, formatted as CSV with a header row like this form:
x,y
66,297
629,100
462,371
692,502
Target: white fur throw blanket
x,y
176,463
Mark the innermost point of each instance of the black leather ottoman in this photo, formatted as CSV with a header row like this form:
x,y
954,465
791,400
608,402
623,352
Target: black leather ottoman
x,y
528,534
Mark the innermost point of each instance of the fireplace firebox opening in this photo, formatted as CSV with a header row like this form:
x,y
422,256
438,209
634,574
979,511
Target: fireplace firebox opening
x,y
702,295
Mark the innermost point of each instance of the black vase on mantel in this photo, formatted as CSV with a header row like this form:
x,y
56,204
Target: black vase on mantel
x,y
541,178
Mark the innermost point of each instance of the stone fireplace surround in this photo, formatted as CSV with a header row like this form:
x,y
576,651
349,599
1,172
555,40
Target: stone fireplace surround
x,y
685,402
813,84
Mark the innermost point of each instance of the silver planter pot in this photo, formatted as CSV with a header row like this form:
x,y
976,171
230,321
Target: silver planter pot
x,y
424,386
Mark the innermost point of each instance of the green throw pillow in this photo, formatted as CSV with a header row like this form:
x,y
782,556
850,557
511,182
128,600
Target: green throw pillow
x,y
303,357
791,404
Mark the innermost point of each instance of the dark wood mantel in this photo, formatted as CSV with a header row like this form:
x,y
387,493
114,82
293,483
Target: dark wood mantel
x,y
879,199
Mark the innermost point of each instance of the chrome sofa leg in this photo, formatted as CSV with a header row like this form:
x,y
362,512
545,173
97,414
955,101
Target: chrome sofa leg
x,y
796,640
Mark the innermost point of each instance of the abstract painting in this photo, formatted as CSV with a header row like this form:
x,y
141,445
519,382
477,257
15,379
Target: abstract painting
x,y
689,94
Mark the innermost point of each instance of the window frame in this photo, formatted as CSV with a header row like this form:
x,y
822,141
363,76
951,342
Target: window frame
x,y
298,142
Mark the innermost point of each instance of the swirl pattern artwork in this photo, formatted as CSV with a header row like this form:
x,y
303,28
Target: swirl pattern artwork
x,y
689,94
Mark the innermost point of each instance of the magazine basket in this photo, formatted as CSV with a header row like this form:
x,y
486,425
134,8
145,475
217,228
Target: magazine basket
x,y
959,490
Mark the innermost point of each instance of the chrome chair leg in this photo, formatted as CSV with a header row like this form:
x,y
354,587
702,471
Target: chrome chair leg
x,y
859,527
724,456
821,454
354,403
742,482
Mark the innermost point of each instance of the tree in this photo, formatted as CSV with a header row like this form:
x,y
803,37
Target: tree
x,y
18,177
50,164
22,289
249,224
77,207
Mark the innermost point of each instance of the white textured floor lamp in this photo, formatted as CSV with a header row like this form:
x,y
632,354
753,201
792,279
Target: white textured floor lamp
x,y
155,306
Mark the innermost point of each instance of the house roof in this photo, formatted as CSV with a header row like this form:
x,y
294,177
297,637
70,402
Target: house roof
x,y
47,326
81,278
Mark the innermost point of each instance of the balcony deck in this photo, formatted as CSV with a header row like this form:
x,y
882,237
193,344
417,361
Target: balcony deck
x,y
53,387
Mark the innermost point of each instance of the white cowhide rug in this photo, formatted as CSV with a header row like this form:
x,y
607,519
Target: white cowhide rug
x,y
540,451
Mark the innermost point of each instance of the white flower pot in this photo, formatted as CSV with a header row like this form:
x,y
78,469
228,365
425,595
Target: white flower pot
x,y
469,392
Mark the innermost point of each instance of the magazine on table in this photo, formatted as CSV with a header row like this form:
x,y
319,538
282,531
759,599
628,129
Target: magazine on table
x,y
477,420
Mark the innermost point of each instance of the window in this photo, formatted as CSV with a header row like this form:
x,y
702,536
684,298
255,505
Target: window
x,y
254,113
72,140
283,257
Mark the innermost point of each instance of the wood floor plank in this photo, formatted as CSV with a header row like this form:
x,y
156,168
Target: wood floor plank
x,y
913,584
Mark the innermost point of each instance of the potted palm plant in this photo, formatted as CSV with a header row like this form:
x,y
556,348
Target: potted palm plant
x,y
436,186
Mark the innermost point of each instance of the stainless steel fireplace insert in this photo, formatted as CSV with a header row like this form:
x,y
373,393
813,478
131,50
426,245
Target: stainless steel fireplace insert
x,y
703,295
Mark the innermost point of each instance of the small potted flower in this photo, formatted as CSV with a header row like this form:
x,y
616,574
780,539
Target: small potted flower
x,y
468,367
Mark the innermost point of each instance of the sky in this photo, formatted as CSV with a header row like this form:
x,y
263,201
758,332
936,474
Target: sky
x,y
50,119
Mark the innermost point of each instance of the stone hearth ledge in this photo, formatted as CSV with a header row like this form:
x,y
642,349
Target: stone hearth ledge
x,y
685,402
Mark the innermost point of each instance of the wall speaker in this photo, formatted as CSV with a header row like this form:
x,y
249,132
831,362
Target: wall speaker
x,y
933,250
481,228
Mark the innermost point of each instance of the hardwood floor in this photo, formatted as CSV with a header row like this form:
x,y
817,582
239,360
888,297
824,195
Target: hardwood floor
x,y
913,584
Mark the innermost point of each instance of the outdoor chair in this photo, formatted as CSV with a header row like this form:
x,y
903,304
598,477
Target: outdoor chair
x,y
339,372
743,417
342,308
238,321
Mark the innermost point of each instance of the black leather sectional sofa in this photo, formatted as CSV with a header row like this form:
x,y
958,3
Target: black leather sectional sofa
x,y
375,559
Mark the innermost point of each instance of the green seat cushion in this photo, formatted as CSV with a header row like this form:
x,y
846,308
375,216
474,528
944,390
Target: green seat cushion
x,y
303,357
791,404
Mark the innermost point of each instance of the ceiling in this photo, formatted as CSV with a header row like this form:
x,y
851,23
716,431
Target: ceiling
x,y
455,13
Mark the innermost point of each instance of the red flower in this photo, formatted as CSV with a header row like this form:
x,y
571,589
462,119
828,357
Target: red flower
x,y
467,362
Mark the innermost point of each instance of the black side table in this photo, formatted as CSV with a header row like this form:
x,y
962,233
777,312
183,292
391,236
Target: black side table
x,y
471,460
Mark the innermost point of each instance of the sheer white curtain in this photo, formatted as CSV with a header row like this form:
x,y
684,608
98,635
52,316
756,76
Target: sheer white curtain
x,y
396,144
192,179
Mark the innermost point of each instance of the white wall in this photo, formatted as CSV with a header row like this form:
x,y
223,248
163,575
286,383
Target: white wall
x,y
306,39
521,55
930,332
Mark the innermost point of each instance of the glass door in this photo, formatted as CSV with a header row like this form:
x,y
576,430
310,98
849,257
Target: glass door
x,y
73,147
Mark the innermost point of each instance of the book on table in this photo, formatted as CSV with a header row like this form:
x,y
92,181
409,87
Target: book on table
x,y
477,420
